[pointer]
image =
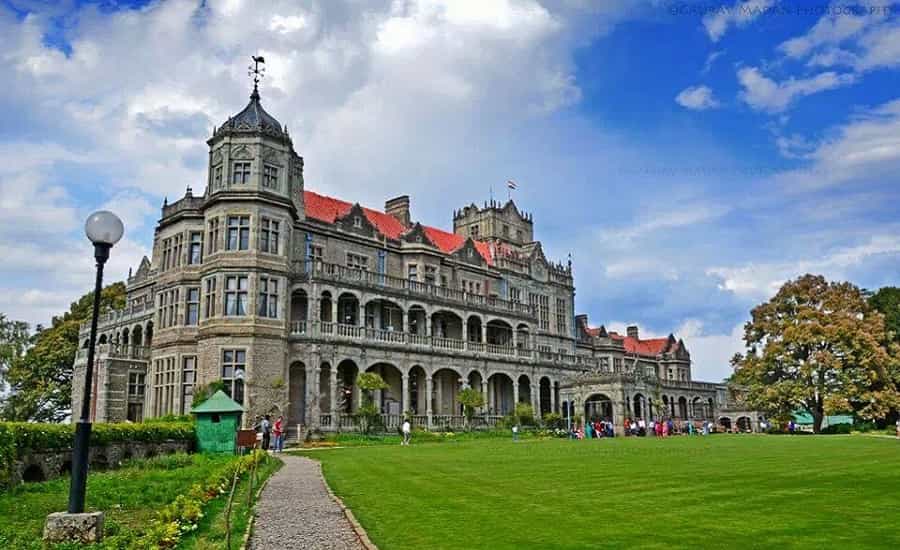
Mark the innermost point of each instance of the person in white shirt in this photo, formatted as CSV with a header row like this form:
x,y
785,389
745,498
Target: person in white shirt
x,y
515,432
406,432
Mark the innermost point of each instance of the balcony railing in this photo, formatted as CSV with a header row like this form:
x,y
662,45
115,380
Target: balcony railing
x,y
118,351
310,269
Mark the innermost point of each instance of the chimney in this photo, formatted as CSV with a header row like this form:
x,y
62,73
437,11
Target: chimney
x,y
399,208
632,332
581,320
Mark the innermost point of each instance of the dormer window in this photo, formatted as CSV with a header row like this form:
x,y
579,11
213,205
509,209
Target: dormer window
x,y
241,173
270,176
357,221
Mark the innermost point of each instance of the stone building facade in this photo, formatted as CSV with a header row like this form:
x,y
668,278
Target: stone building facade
x,y
286,295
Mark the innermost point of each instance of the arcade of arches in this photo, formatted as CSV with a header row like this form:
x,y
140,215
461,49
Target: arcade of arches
x,y
320,395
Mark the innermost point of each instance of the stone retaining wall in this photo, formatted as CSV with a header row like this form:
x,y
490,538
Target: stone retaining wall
x,y
44,465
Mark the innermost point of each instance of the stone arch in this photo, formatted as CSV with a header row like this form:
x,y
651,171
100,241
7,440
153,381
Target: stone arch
x,y
446,324
446,385
325,307
473,328
390,399
697,407
148,334
523,333
297,383
299,305
102,340
348,309
417,390
639,406
524,383
34,473
545,399
416,319
126,338
725,422
384,314
712,409
499,333
598,407
682,407
744,424
137,336
348,393
555,395
500,394
86,344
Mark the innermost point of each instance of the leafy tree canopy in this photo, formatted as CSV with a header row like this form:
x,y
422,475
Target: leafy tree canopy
x,y
821,347
41,379
887,301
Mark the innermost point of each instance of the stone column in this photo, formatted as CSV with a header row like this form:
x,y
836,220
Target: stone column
x,y
405,404
334,395
310,392
428,389
515,339
484,391
439,397
515,393
484,333
334,309
465,330
536,400
553,404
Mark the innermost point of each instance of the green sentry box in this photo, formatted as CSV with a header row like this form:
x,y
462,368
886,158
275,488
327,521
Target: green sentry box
x,y
218,420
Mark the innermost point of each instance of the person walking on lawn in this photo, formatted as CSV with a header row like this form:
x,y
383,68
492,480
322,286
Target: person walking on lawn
x,y
406,429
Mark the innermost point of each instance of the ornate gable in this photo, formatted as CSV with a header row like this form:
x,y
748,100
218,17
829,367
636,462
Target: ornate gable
x,y
469,253
356,222
241,152
417,235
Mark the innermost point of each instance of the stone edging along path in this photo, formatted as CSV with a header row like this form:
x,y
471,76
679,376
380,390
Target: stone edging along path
x,y
297,509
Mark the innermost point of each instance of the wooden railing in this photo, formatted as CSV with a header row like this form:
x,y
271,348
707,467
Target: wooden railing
x,y
310,269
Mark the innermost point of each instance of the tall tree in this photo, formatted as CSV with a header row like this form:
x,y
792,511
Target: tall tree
x,y
41,379
821,347
14,340
887,301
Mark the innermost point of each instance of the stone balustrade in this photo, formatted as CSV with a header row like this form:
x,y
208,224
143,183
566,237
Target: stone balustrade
x,y
314,270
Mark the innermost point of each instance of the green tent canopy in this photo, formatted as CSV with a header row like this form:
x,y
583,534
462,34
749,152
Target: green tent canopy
x,y
803,418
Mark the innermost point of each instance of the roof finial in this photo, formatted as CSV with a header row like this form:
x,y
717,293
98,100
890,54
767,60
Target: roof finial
x,y
257,73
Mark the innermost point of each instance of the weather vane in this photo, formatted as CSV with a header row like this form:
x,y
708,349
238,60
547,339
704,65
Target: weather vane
x,y
256,71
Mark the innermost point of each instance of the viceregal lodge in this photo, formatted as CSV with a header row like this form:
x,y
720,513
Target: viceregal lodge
x,y
285,295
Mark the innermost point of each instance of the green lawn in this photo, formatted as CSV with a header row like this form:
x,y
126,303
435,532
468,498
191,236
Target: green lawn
x,y
721,491
130,496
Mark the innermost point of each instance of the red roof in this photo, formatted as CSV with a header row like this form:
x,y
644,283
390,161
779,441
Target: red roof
x,y
328,209
653,346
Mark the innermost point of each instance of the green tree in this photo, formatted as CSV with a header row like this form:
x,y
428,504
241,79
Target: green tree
x,y
368,413
41,379
524,414
471,399
818,346
887,301
14,341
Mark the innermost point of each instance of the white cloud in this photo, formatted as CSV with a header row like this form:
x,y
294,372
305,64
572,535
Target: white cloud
x,y
697,98
863,150
710,59
740,14
765,94
711,353
761,280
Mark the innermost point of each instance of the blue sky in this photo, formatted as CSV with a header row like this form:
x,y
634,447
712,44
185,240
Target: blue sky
x,y
690,156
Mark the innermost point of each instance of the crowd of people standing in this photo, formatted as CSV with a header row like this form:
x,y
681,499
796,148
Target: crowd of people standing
x,y
640,428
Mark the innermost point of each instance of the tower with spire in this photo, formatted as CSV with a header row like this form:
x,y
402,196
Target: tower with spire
x,y
252,153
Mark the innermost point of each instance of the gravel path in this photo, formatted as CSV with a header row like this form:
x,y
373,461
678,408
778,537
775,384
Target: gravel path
x,y
296,511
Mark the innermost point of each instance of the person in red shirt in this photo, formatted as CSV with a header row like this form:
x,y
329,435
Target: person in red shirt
x,y
279,434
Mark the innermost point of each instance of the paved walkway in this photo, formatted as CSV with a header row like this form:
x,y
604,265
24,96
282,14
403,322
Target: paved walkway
x,y
296,511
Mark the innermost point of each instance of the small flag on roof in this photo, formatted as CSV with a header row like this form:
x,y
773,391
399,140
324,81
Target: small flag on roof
x,y
511,184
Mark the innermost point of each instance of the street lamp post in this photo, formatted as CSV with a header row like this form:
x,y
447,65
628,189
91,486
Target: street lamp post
x,y
104,229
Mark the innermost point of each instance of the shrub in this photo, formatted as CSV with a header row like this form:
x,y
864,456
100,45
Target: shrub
x,y
18,438
525,414
554,421
837,429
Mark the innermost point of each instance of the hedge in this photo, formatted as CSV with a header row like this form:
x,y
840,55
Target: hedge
x,y
16,438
